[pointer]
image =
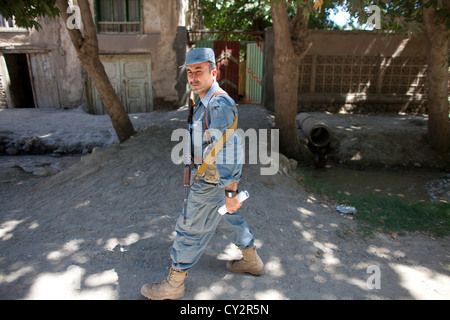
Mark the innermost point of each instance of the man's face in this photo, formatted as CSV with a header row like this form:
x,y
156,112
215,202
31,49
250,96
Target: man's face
x,y
200,78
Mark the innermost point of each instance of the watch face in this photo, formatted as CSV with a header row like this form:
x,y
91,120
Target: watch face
x,y
230,194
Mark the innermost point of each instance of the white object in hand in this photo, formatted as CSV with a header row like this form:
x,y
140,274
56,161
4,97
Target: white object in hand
x,y
242,196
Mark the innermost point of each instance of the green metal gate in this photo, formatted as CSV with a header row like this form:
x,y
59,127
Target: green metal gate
x,y
254,69
255,72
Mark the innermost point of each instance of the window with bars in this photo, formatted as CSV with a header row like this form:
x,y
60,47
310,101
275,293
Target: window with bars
x,y
118,16
9,24
6,23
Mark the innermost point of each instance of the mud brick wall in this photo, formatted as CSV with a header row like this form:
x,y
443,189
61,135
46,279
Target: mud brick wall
x,y
358,72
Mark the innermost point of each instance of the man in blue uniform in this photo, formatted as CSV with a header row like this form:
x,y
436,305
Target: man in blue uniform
x,y
215,112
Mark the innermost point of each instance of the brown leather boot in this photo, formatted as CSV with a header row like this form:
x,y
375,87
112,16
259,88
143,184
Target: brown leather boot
x,y
171,288
250,263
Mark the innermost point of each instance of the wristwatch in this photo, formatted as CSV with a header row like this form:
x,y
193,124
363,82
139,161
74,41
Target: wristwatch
x,y
231,194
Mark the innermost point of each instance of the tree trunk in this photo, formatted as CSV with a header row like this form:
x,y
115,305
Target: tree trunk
x,y
87,50
195,15
437,76
291,44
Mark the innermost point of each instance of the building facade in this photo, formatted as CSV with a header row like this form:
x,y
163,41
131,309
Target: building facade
x,y
141,46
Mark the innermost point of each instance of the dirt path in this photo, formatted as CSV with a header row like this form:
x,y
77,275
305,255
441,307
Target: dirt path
x,y
102,227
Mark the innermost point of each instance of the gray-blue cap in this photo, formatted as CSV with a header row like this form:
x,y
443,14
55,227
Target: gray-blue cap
x,y
198,55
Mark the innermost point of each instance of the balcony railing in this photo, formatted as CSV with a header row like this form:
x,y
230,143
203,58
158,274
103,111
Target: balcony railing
x,y
119,27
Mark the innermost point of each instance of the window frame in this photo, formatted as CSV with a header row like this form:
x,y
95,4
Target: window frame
x,y
9,25
120,24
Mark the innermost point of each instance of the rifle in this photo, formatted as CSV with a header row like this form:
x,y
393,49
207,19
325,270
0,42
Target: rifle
x,y
188,154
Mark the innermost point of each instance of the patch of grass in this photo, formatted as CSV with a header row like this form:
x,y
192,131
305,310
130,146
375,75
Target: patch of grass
x,y
388,214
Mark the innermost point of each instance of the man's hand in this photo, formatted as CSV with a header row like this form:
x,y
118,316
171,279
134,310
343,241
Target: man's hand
x,y
232,204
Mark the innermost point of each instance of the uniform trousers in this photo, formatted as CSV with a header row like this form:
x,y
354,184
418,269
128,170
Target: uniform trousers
x,y
202,221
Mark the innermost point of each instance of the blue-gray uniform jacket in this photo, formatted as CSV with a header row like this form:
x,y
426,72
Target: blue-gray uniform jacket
x,y
220,115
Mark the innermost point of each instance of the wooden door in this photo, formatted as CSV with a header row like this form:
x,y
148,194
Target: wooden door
x,y
130,77
136,84
43,76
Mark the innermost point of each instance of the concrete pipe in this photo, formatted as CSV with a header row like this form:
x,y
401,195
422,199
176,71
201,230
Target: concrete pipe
x,y
317,132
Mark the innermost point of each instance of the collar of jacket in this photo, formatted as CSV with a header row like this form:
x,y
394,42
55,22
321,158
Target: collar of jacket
x,y
210,92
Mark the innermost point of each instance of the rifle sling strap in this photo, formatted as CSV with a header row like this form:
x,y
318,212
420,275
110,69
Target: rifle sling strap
x,y
217,147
